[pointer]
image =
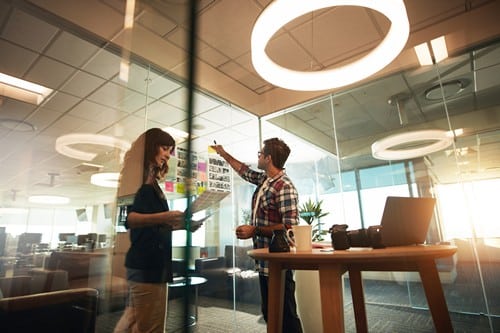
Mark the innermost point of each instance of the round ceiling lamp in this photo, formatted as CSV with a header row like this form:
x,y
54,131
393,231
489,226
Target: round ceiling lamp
x,y
17,125
105,179
446,90
281,12
49,199
64,142
426,141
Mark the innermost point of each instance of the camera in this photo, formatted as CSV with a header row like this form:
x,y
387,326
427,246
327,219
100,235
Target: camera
x,y
343,239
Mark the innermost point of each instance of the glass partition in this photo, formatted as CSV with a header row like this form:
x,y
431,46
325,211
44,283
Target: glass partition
x,y
425,132
110,81
105,94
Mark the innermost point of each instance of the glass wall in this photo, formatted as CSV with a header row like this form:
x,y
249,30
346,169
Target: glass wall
x,y
110,82
407,113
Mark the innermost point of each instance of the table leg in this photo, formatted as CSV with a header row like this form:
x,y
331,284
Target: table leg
x,y
358,300
195,303
435,296
275,298
332,303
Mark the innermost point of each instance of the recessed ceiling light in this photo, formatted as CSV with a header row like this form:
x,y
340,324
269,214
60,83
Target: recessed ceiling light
x,y
280,12
450,90
17,125
49,199
105,179
22,90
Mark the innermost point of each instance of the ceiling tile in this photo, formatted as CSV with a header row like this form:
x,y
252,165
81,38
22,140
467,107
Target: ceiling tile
x,y
132,102
210,55
164,113
15,60
240,74
201,102
225,116
71,50
49,73
160,25
161,86
43,117
82,84
28,31
100,114
227,23
13,109
60,102
110,94
103,64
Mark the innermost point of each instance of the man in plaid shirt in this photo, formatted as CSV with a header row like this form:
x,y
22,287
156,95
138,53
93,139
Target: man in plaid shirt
x,y
274,206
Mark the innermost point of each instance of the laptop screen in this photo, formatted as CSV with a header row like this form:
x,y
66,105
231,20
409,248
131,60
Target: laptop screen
x,y
406,220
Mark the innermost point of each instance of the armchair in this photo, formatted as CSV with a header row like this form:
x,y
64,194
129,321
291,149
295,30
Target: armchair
x,y
231,275
65,311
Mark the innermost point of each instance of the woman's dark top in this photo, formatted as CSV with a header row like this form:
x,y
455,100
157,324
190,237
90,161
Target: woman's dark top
x,y
149,258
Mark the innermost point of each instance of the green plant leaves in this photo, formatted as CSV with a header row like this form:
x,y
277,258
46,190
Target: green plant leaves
x,y
311,212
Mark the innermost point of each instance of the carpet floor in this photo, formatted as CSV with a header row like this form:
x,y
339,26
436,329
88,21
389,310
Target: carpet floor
x,y
218,316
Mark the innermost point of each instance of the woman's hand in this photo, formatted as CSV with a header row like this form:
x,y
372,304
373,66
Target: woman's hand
x,y
176,219
195,225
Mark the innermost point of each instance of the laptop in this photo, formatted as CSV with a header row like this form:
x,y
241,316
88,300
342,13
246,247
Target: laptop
x,y
405,220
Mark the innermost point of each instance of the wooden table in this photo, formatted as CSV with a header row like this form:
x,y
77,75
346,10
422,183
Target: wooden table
x,y
331,266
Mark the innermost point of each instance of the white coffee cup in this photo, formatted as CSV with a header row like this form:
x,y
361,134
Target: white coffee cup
x,y
302,237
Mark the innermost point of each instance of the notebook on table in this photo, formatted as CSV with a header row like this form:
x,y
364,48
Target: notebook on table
x,y
405,220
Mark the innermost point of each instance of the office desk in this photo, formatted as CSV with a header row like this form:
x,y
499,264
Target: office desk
x,y
331,266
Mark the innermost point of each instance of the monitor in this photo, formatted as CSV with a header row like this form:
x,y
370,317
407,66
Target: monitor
x,y
63,237
81,214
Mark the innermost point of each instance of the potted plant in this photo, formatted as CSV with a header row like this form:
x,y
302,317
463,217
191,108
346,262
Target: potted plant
x,y
311,212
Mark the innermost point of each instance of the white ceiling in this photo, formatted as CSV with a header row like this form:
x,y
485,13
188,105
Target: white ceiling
x,y
74,48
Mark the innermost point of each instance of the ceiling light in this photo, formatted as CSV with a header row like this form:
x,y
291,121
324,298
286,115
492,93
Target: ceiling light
x,y
22,90
423,54
385,149
12,211
129,14
176,133
48,199
445,90
280,12
439,49
17,125
105,179
63,145
124,70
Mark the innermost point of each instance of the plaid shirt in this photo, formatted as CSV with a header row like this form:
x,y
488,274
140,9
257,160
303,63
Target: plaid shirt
x,y
278,204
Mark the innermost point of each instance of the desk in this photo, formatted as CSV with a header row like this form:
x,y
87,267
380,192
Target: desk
x,y
194,281
331,266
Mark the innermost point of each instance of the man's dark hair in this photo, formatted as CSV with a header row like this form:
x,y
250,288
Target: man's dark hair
x,y
278,150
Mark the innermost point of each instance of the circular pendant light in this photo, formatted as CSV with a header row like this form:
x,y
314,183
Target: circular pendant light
x,y
281,12
64,142
105,179
427,142
49,199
